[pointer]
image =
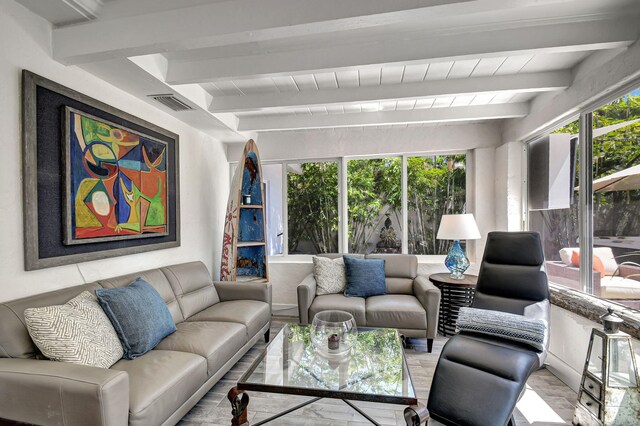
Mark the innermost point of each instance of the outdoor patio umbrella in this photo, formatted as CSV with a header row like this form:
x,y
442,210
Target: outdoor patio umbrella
x,y
623,180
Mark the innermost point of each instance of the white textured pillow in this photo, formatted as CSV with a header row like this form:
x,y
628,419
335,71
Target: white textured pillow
x,y
330,275
78,332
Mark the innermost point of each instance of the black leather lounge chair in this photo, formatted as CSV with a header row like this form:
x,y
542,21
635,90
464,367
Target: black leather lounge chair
x,y
479,378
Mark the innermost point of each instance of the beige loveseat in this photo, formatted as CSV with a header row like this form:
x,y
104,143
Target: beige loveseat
x,y
411,305
216,324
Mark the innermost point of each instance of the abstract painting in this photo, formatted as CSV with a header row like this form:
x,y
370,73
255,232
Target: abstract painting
x,y
116,181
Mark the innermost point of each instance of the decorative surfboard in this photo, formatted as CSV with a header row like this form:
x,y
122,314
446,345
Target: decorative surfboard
x,y
244,248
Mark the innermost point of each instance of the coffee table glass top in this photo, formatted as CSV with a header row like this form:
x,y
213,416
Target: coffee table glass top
x,y
374,370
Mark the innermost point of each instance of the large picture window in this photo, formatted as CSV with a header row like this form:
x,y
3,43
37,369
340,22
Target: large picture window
x,y
377,213
612,232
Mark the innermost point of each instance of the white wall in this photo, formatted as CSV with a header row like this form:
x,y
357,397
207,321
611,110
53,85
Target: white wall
x,y
25,42
568,345
508,187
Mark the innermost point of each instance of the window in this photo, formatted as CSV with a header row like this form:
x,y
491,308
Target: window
x,y
612,164
312,207
306,197
374,188
435,186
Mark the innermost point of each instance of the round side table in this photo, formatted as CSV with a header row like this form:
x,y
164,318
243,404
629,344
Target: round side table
x,y
455,295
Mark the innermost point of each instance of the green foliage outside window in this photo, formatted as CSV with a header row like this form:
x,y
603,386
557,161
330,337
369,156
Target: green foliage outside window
x,y
436,186
374,187
313,208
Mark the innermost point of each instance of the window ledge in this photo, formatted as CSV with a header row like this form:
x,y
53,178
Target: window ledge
x,y
592,308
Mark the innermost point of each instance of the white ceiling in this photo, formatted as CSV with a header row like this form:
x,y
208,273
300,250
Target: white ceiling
x,y
249,66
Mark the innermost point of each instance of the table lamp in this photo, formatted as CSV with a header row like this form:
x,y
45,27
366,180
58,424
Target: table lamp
x,y
457,227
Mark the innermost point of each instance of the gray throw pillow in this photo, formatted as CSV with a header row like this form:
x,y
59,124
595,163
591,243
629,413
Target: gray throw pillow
x,y
503,324
330,275
78,332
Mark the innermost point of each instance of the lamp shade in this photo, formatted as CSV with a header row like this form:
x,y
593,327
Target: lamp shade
x,y
458,227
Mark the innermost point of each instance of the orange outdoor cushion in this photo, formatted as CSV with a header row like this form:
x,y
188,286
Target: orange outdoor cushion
x,y
597,262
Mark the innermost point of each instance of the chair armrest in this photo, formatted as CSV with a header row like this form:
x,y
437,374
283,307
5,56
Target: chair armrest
x,y
429,297
234,290
50,392
306,293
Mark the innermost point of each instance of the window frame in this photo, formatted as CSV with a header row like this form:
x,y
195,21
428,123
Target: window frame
x,y
585,171
343,222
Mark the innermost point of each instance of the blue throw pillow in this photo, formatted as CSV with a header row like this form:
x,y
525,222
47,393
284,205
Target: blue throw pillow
x,y
139,316
365,277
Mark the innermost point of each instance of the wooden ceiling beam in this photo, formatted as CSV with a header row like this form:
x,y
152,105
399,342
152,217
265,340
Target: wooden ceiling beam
x,y
526,82
431,115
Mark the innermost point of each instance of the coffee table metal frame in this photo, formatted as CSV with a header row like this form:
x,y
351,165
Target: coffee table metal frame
x,y
415,414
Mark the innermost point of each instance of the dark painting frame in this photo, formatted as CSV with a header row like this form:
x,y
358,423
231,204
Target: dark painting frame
x,y
44,177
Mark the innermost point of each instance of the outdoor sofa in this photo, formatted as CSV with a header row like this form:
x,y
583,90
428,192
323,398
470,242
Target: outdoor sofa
x,y
217,323
621,280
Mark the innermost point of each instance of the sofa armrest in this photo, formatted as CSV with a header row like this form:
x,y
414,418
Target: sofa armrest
x,y
233,290
429,297
629,270
49,392
569,276
306,293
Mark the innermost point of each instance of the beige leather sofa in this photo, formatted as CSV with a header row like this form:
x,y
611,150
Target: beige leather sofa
x,y
216,324
411,305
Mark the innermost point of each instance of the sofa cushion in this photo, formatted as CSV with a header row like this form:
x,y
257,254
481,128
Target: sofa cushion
x,y
253,314
399,285
398,265
78,332
158,280
395,311
138,314
354,305
365,277
330,275
192,285
218,342
160,382
619,288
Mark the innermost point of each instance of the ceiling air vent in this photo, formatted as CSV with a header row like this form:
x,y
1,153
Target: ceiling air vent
x,y
169,100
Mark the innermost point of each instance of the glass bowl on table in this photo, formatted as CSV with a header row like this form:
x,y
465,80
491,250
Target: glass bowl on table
x,y
333,333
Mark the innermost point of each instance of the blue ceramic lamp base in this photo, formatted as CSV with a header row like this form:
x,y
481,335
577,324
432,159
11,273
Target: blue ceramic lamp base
x,y
456,261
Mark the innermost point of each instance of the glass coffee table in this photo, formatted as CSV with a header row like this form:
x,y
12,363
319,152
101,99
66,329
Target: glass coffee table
x,y
374,370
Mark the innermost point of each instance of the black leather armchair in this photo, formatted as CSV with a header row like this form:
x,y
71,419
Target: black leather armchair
x,y
479,378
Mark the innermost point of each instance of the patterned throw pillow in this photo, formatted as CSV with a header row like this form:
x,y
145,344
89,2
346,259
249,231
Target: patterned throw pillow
x,y
330,275
503,324
78,332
